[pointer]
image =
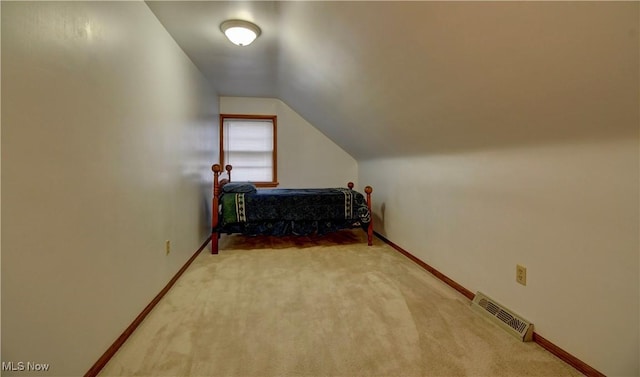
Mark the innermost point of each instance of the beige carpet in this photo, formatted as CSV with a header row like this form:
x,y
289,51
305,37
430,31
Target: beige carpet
x,y
321,306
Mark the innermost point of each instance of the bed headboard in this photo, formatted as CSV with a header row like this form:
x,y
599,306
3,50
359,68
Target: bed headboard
x,y
217,182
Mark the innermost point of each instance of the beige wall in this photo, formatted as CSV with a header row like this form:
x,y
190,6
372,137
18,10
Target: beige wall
x,y
306,157
107,138
569,213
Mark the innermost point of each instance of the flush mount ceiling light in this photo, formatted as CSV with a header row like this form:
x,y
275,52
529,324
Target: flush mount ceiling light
x,y
240,32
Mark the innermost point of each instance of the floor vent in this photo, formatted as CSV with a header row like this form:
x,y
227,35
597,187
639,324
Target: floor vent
x,y
505,318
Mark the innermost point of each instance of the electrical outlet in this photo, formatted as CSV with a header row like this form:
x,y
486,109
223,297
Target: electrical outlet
x,y
167,247
521,274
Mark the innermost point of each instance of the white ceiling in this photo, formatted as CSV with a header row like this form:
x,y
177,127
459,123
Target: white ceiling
x,y
405,78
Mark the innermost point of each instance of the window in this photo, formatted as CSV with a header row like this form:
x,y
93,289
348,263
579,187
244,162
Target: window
x,y
248,143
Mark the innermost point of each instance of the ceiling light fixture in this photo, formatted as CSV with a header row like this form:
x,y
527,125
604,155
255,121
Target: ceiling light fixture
x,y
240,32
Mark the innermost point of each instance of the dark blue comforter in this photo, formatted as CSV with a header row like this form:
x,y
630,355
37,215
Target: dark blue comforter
x,y
292,211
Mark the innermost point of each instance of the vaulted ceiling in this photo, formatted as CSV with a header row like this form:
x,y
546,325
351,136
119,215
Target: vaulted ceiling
x,y
405,78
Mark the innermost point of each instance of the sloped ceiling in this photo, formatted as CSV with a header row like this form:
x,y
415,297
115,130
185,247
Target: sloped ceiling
x,y
406,78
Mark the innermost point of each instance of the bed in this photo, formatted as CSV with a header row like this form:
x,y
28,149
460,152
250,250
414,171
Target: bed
x,y
238,207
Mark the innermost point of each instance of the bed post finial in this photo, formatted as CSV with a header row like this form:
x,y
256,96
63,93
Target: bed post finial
x,y
368,190
217,169
350,185
228,169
